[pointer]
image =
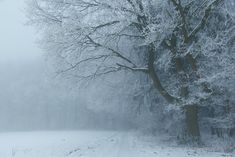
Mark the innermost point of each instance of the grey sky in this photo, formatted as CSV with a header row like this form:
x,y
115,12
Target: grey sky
x,y
17,40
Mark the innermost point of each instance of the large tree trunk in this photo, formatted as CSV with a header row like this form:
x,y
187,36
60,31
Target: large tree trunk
x,y
191,111
192,125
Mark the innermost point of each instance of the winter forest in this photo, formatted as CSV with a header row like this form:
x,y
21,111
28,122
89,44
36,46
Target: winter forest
x,y
115,78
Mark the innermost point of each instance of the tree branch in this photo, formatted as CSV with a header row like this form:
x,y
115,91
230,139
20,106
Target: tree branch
x,y
144,70
105,25
83,61
181,11
203,21
118,54
156,80
98,74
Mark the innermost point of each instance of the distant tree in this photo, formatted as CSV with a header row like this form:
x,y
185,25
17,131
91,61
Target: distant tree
x,y
174,43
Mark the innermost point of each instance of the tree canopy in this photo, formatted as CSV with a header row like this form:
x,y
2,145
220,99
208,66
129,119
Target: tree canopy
x,y
185,48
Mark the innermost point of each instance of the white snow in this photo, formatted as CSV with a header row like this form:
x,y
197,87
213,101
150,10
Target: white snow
x,y
91,144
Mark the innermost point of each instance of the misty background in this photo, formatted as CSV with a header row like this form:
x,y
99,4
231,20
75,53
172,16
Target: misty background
x,y
31,98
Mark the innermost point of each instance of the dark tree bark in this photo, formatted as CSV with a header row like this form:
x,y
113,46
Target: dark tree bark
x,y
191,113
156,81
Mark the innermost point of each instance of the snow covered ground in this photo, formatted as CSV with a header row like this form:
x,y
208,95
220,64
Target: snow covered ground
x,y
91,144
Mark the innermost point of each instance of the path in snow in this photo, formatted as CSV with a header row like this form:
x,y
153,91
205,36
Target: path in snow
x,y
90,144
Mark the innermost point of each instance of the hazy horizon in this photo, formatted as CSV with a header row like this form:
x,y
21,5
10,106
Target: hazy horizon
x,y
18,39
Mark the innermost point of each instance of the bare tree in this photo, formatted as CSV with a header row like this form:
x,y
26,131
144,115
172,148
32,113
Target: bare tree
x,y
91,38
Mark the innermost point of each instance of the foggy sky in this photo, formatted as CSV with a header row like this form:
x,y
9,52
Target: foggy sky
x,y
17,40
